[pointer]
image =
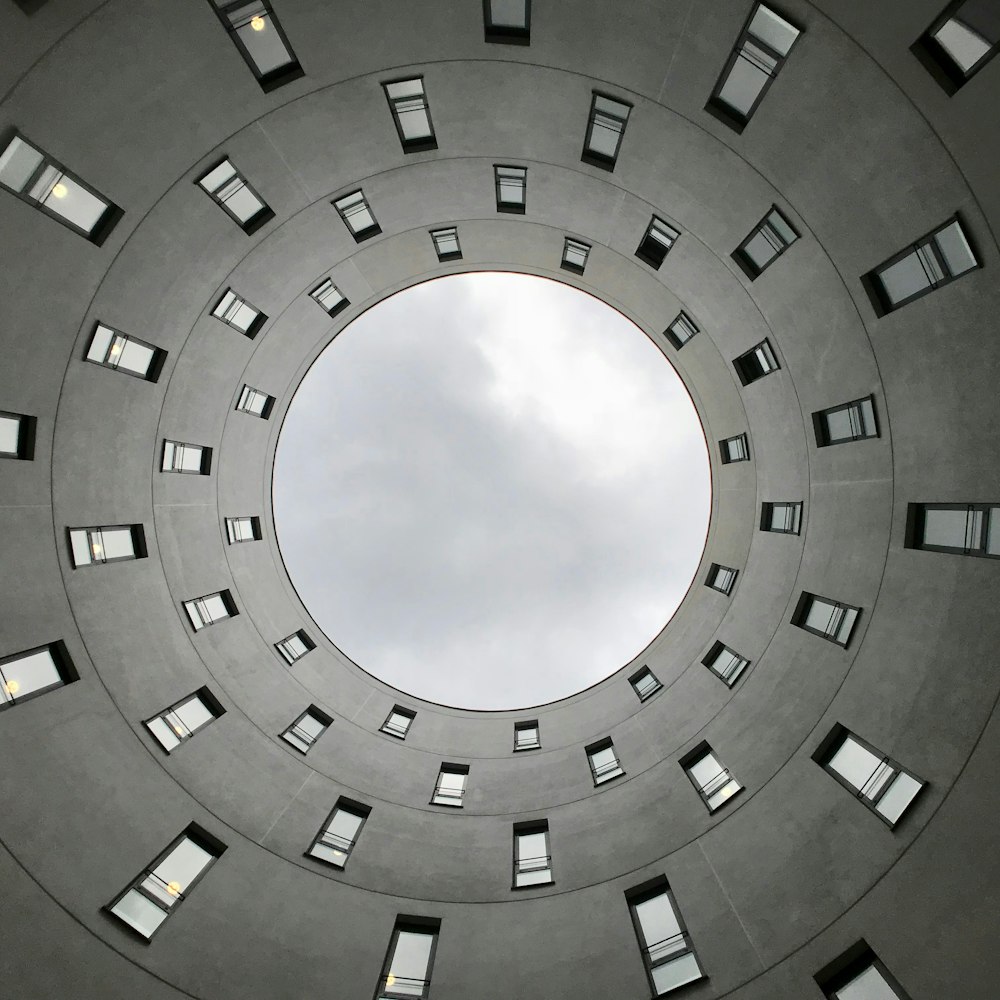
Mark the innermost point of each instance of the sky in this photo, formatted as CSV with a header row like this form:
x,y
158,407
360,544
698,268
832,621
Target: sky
x,y
491,490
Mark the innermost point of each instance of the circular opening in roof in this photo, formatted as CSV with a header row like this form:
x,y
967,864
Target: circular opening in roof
x,y
491,490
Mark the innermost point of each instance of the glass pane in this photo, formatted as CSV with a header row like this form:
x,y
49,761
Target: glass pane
x,y
291,736
760,249
114,543
100,344
139,912
17,163
603,758
821,615
993,531
899,795
193,713
846,625
215,607
410,960
344,825
773,30
166,736
10,435
405,88
264,45
73,202
214,179
30,673
80,547
965,45
450,780
243,203
136,357
676,973
311,725
904,278
735,449
743,85
868,986
659,924
360,219
189,457
509,13
945,527
604,135
180,867
781,227
854,763
531,849
955,249
727,791
413,119
534,876
705,770
243,317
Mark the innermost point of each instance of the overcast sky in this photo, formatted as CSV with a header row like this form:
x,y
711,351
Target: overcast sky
x,y
491,490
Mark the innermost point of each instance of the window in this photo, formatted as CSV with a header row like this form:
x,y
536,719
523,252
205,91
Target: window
x,y
735,449
113,543
410,112
446,243
212,608
681,330
113,349
231,190
756,363
859,974
406,971
295,646
782,516
644,683
574,256
256,32
851,421
45,184
336,840
760,52
243,529
330,297
450,787
507,21
934,260
829,619
239,314
17,436
532,856
967,529
255,401
307,729
357,216
183,719
527,736
960,42
605,129
721,578
877,780
715,783
604,763
190,458
667,951
656,241
512,185
34,672
725,663
398,722
167,882
770,238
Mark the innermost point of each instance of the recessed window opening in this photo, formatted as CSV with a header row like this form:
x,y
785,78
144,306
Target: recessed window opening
x,y
243,529
527,736
781,516
532,855
966,529
603,760
295,646
756,363
111,543
722,578
336,840
357,216
17,436
232,192
656,242
258,36
398,722
212,608
681,330
725,663
853,421
714,782
605,130
406,971
193,459
307,729
411,115
770,238
960,42
512,186
255,402
826,618
330,297
735,449
113,349
450,787
446,243
178,723
859,974
236,312
507,21
34,672
644,683
575,255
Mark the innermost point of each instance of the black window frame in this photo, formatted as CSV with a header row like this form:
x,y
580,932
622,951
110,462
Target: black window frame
x,y
724,450
205,469
528,828
413,925
524,726
139,549
691,758
227,600
916,516
568,265
801,612
341,305
451,254
506,34
256,531
27,429
210,702
767,516
594,158
256,221
343,804
847,967
821,423
61,660
743,261
935,58
713,571
254,328
362,234
711,658
652,251
682,319
642,672
265,409
510,207
303,637
748,367
407,713
607,743
156,362
320,716
449,768
423,144
277,77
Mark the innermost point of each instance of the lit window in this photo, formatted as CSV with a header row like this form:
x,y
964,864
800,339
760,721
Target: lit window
x,y
446,243
783,517
411,114
604,763
398,722
934,260
48,186
644,683
963,39
450,787
212,608
656,242
715,783
243,529
605,129
254,401
357,216
113,349
721,578
574,257
307,729
859,974
336,840
295,646
681,330
532,857
406,971
112,543
735,449
770,238
507,21
667,951
167,882
967,529
760,52
877,780
34,672
756,363
256,32
527,736
17,435
190,458
330,297
182,720
239,314
853,421
512,185
829,619
725,663
232,191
